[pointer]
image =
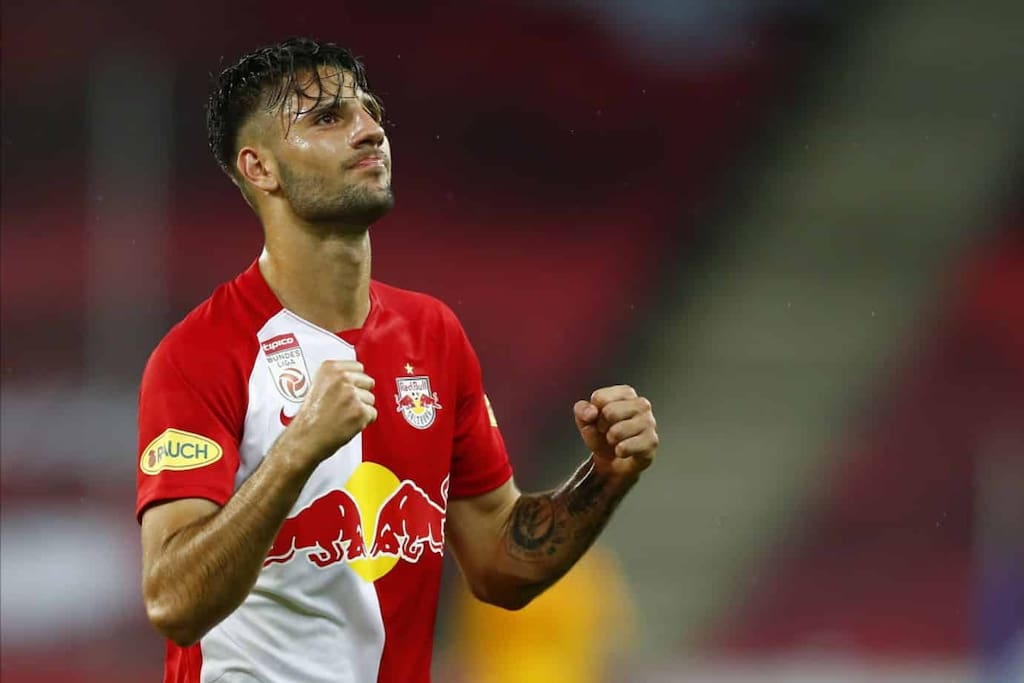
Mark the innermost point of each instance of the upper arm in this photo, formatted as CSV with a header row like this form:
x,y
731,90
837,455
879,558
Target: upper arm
x,y
482,490
479,463
161,521
475,527
191,411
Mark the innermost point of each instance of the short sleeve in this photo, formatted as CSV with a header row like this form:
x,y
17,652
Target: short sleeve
x,y
189,430
479,460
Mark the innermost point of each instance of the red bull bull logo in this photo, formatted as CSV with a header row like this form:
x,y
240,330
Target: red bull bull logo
x,y
410,522
405,523
329,530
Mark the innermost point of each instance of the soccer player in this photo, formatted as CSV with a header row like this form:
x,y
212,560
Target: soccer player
x,y
310,438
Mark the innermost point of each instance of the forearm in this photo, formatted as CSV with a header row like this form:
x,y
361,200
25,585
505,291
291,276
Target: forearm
x,y
207,568
546,533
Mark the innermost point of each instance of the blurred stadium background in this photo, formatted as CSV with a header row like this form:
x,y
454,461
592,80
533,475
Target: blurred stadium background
x,y
797,225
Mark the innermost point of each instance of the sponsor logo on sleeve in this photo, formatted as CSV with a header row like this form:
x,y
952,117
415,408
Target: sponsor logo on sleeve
x,y
490,412
177,450
287,366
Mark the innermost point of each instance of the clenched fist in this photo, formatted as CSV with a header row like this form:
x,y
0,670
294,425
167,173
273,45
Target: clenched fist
x,y
619,429
340,404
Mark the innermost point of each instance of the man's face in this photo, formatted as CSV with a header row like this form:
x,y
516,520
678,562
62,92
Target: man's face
x,y
333,158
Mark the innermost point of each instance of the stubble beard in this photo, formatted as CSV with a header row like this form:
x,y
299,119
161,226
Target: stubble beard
x,y
353,208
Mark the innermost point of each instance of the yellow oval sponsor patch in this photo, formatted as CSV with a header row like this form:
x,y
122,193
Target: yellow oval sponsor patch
x,y
490,412
178,450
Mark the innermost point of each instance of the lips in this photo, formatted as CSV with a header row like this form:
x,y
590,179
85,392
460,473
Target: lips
x,y
369,162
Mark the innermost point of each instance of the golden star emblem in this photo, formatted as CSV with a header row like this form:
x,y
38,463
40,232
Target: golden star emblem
x,y
408,368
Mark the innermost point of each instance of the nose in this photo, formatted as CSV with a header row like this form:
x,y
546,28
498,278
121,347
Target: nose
x,y
367,131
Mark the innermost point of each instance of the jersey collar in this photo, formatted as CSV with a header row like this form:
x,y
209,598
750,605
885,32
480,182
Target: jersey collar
x,y
252,282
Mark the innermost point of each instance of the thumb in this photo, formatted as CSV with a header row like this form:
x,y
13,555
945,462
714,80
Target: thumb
x,y
586,414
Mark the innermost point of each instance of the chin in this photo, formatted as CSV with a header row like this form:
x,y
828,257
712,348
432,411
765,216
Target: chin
x,y
371,216
356,205
385,201
368,208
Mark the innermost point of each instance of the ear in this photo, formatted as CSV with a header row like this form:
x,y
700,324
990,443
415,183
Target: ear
x,y
256,168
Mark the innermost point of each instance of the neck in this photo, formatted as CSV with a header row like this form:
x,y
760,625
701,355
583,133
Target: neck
x,y
322,279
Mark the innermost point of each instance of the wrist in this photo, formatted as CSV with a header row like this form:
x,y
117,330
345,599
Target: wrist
x,y
294,455
613,472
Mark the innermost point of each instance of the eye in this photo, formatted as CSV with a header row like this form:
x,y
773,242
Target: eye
x,y
327,118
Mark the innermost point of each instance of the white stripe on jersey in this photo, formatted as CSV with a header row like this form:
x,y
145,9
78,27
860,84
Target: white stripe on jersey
x,y
301,622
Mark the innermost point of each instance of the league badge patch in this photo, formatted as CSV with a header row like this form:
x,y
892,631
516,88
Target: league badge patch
x,y
287,366
416,402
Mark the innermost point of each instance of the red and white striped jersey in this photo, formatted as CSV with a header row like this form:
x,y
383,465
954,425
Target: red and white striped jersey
x,y
349,590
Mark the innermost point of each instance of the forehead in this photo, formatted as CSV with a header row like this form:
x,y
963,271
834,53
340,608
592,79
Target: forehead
x,y
327,84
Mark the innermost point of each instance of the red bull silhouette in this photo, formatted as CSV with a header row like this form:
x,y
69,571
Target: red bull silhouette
x,y
330,529
410,521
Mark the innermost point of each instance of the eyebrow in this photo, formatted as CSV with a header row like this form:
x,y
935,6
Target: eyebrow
x,y
365,99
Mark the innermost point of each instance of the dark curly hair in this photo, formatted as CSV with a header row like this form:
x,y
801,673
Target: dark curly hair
x,y
266,78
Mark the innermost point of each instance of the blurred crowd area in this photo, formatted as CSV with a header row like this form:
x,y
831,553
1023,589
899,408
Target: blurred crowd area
x,y
795,225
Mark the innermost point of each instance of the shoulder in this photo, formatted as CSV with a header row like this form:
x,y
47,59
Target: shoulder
x,y
216,335
415,306
433,319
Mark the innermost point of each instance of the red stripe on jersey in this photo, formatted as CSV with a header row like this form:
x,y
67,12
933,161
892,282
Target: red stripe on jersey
x,y
183,664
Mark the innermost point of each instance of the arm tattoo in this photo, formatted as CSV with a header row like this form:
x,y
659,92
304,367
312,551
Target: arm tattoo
x,y
555,528
532,524
586,494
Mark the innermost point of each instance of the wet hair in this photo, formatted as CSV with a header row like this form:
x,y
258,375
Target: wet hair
x,y
266,78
